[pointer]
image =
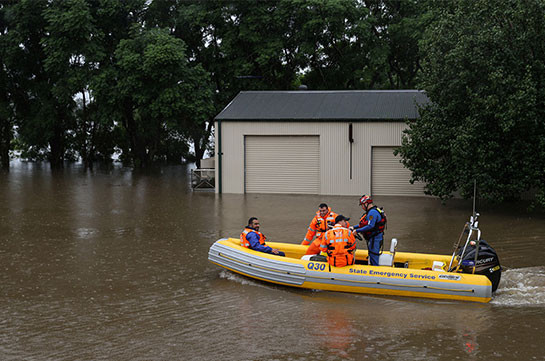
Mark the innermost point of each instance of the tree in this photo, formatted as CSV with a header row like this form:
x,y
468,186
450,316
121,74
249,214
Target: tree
x,y
339,44
73,52
44,112
6,90
99,129
84,77
6,120
232,41
398,27
153,91
201,26
484,72
277,44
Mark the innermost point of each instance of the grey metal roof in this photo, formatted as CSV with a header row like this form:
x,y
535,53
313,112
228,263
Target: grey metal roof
x,y
324,105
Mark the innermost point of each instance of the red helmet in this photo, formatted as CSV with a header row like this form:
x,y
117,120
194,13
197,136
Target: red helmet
x,y
365,199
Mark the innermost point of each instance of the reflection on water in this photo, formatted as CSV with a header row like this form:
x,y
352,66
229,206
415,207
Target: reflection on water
x,y
112,265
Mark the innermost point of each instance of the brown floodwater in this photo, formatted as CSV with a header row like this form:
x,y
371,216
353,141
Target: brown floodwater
x,y
112,265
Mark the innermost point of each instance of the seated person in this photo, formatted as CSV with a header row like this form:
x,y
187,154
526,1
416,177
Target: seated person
x,y
253,239
322,221
339,243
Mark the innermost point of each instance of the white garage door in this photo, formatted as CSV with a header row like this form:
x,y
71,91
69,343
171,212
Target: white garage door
x,y
282,164
389,177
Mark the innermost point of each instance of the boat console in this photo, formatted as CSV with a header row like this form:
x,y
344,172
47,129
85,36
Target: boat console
x,y
387,259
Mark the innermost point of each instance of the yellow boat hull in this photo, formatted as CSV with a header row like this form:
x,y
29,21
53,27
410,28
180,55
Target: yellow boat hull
x,y
416,280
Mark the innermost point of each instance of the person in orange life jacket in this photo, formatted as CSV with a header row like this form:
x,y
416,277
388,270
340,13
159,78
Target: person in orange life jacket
x,y
372,227
339,243
321,223
253,239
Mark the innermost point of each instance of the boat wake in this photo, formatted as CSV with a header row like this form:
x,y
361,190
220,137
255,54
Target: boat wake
x,y
240,279
521,287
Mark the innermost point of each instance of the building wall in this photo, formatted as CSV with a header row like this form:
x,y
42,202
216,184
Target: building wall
x,y
334,151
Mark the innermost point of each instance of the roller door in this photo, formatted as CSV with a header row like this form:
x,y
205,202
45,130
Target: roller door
x,y
389,177
282,164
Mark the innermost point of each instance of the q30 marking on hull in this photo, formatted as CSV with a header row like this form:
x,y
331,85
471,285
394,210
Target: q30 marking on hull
x,y
316,266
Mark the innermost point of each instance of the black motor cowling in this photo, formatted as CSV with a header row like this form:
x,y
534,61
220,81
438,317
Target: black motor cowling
x,y
488,263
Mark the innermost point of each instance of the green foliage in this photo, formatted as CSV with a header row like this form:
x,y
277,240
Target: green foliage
x,y
338,41
92,77
41,118
399,26
89,77
154,92
484,73
7,87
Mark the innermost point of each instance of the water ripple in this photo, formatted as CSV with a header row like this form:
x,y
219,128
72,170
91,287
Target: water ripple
x,y
521,287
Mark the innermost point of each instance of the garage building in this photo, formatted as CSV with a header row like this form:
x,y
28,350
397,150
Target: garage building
x,y
315,142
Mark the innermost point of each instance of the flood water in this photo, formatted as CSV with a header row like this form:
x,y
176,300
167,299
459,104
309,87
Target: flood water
x,y
112,265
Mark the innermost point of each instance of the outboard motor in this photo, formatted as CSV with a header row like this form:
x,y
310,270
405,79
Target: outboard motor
x,y
487,264
476,256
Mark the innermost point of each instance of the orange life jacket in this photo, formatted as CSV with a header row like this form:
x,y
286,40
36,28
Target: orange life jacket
x,y
380,226
244,241
339,244
319,225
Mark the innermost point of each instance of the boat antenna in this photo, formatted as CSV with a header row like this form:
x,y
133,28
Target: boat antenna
x,y
469,227
475,226
474,194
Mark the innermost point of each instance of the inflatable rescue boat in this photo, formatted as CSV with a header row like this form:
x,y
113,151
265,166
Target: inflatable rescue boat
x,y
471,273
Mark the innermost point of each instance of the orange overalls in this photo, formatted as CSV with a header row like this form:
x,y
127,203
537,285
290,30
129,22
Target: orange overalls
x,y
318,226
340,244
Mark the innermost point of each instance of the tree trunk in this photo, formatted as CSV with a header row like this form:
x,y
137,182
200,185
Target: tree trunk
x,y
200,142
5,140
138,150
199,152
56,157
84,147
6,133
92,145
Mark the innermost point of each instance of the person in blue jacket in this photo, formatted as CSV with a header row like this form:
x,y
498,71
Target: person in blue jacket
x,y
253,239
372,226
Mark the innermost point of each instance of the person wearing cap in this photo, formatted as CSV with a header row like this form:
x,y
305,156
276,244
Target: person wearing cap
x,y
372,225
321,223
253,239
339,243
